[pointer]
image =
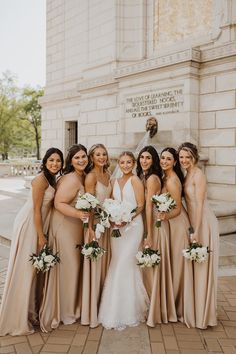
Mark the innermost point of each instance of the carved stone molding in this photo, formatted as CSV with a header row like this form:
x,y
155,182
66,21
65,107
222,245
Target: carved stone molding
x,y
162,61
222,51
60,96
99,81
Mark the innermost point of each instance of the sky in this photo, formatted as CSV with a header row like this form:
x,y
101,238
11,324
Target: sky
x,y
23,40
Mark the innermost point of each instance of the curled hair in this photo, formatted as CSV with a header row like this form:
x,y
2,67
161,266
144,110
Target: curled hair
x,y
127,153
51,178
192,149
155,168
176,167
71,153
91,153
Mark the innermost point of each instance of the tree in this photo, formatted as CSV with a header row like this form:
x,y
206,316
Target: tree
x,y
32,113
9,111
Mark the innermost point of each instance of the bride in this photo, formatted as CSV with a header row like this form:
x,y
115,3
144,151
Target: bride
x,y
124,299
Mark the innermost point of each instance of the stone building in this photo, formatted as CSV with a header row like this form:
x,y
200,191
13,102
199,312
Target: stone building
x,y
113,63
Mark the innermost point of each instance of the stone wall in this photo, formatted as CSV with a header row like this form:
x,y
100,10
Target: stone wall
x,y
109,69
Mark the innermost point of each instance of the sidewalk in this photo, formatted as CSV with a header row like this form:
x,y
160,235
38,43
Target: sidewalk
x,y
75,339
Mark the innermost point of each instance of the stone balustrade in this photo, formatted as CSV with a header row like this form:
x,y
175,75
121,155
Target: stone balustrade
x,y
24,168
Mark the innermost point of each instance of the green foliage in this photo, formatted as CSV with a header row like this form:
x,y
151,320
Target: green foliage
x,y
20,118
32,113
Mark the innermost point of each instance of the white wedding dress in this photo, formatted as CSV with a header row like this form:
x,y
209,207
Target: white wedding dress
x,y
124,299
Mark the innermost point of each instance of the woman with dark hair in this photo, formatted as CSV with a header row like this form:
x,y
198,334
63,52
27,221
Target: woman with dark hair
x,y
62,291
182,272
19,310
206,232
158,280
97,182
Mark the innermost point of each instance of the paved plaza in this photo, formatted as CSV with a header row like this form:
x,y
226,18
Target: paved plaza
x,y
75,339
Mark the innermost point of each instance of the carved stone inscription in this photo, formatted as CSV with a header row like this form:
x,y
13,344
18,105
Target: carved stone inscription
x,y
155,103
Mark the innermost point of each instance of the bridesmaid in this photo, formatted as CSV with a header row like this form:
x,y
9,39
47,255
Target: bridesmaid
x,y
158,280
62,295
124,298
19,303
182,271
97,182
206,232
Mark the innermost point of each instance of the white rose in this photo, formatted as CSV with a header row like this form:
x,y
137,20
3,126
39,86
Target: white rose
x,y
139,255
88,251
82,204
40,264
99,230
163,207
162,198
49,259
154,257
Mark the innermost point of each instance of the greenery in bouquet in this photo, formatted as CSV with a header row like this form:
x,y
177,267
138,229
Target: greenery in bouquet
x,y
92,250
148,257
44,260
196,252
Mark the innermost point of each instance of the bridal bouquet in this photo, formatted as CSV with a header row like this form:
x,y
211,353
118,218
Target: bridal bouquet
x,y
117,212
196,252
44,260
148,257
92,250
86,202
163,203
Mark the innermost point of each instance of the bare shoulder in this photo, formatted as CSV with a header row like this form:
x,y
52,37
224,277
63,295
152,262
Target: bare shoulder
x,y
136,181
199,175
173,181
69,179
153,179
40,181
91,177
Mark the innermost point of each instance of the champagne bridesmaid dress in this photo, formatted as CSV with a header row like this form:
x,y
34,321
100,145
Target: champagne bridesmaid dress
x,y
18,310
205,274
182,270
62,291
94,272
159,279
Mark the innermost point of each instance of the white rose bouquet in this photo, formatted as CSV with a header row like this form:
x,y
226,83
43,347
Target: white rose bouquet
x,y
86,202
163,203
44,260
148,257
196,252
117,212
92,250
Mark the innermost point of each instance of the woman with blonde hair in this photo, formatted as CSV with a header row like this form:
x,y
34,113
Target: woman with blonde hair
x,y
124,298
97,182
205,231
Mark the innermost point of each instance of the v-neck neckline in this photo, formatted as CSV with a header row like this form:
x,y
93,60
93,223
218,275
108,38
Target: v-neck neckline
x,y
103,183
121,189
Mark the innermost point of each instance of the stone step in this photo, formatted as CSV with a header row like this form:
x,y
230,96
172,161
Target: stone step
x,y
227,256
225,212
